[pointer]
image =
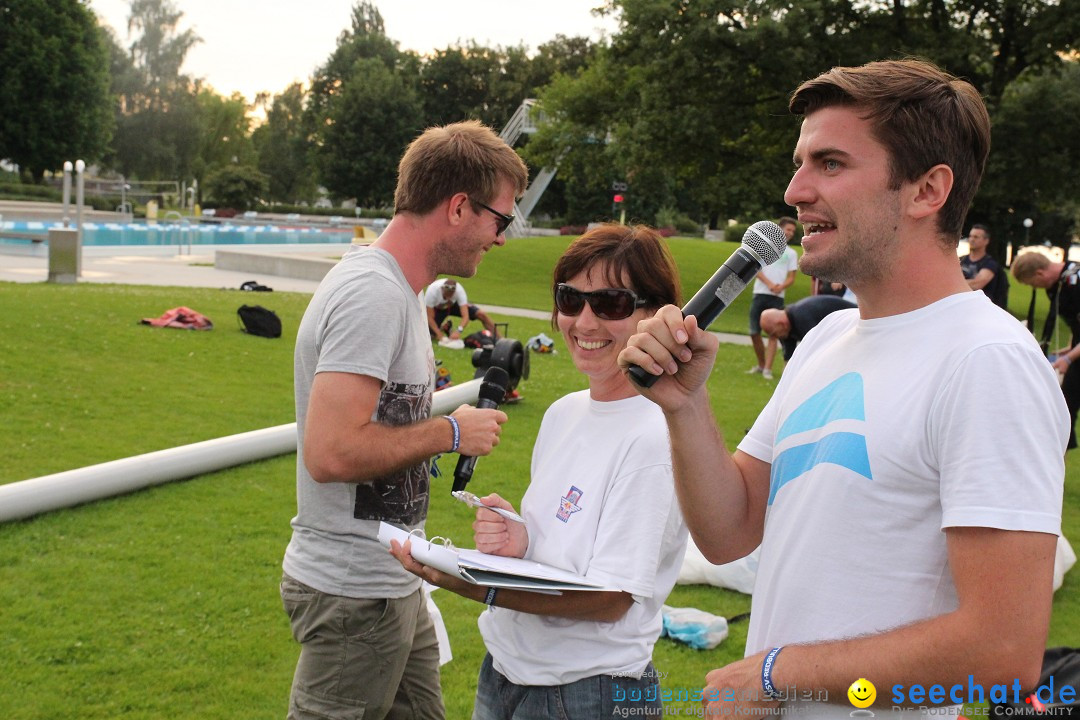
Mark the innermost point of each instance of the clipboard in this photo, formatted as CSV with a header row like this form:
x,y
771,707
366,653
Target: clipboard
x,y
480,568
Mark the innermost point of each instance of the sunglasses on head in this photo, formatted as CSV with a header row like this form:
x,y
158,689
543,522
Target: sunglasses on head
x,y
606,304
502,222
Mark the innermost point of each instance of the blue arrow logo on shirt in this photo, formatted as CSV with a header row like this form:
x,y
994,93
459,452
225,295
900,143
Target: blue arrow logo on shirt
x,y
840,400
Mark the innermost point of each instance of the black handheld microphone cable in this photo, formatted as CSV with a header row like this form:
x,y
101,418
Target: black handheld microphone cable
x,y
762,244
492,391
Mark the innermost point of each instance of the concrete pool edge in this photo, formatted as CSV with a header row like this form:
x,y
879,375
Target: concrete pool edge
x,y
301,267
41,249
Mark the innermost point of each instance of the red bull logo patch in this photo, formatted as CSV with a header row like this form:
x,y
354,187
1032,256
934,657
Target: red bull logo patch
x,y
568,505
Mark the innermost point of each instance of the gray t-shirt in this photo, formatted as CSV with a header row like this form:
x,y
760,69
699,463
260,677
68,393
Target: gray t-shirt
x,y
364,319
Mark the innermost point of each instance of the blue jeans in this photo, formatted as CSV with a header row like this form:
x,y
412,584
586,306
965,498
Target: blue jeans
x,y
591,698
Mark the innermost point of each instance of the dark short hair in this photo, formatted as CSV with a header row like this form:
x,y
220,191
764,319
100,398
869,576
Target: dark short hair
x,y
463,157
922,115
635,251
980,226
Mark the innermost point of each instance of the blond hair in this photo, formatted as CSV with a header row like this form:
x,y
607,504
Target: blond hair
x,y
1027,264
463,157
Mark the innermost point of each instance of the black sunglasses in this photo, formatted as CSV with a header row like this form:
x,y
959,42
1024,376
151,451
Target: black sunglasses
x,y
606,304
503,220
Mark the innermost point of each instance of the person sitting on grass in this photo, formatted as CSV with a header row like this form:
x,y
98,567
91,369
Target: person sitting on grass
x,y
600,503
446,297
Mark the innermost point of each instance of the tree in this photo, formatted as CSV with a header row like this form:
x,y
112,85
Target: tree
x,y
283,148
154,145
235,186
159,51
561,56
1031,172
365,131
488,84
364,39
157,107
224,133
363,110
695,93
54,85
459,83
584,112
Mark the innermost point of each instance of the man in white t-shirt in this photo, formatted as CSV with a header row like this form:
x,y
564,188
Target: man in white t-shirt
x,y
905,542
769,286
446,297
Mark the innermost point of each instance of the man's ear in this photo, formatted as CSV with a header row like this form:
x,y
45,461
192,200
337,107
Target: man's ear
x,y
455,208
931,191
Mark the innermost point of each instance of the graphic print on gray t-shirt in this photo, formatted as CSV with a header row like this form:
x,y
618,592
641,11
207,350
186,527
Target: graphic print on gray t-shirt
x,y
401,497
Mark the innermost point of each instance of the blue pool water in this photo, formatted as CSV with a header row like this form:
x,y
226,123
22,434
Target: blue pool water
x,y
174,233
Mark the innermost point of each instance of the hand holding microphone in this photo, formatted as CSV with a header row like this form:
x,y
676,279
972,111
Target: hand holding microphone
x,y
492,391
762,245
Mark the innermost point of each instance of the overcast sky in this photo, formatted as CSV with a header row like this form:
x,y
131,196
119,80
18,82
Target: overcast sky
x,y
254,46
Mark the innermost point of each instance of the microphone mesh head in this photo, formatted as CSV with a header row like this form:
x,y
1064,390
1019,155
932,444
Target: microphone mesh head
x,y
766,240
493,386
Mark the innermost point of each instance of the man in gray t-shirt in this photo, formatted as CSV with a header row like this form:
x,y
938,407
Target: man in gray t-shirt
x,y
364,374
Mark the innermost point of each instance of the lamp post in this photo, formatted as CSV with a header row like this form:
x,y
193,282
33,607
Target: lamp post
x,y
1028,222
80,167
80,196
68,167
124,187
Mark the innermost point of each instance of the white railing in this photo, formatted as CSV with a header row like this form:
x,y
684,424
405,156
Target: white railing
x,y
526,120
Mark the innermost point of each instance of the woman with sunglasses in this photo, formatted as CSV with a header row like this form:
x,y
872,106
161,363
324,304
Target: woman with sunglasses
x,y
600,503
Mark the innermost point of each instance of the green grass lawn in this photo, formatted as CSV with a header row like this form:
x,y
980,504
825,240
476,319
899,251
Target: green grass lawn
x,y
163,603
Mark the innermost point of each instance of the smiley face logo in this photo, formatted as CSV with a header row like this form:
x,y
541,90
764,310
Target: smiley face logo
x,y
862,693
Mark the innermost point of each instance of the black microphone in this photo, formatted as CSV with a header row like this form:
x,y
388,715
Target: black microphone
x,y
492,391
762,244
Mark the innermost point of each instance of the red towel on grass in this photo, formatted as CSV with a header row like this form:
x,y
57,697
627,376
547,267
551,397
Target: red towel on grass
x,y
183,318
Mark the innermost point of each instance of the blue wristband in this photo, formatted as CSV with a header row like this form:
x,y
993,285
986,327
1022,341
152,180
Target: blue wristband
x,y
457,432
490,599
766,674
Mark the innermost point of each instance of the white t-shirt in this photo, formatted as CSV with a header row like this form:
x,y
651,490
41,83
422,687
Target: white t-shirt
x,y
777,272
601,503
881,434
433,296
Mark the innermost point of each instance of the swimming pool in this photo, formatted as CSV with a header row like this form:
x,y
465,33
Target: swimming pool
x,y
181,233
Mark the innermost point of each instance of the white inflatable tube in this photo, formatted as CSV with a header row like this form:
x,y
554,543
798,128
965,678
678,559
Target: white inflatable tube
x,y
449,399
73,487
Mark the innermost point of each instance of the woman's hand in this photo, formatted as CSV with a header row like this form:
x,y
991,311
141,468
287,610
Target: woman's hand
x,y
496,535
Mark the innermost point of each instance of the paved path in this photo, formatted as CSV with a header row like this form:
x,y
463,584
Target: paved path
x,y
196,270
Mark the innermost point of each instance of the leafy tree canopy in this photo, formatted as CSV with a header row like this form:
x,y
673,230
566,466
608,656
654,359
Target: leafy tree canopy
x,y
692,95
54,102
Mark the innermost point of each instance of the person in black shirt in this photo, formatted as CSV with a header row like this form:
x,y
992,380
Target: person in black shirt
x,y
1061,280
982,271
790,325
